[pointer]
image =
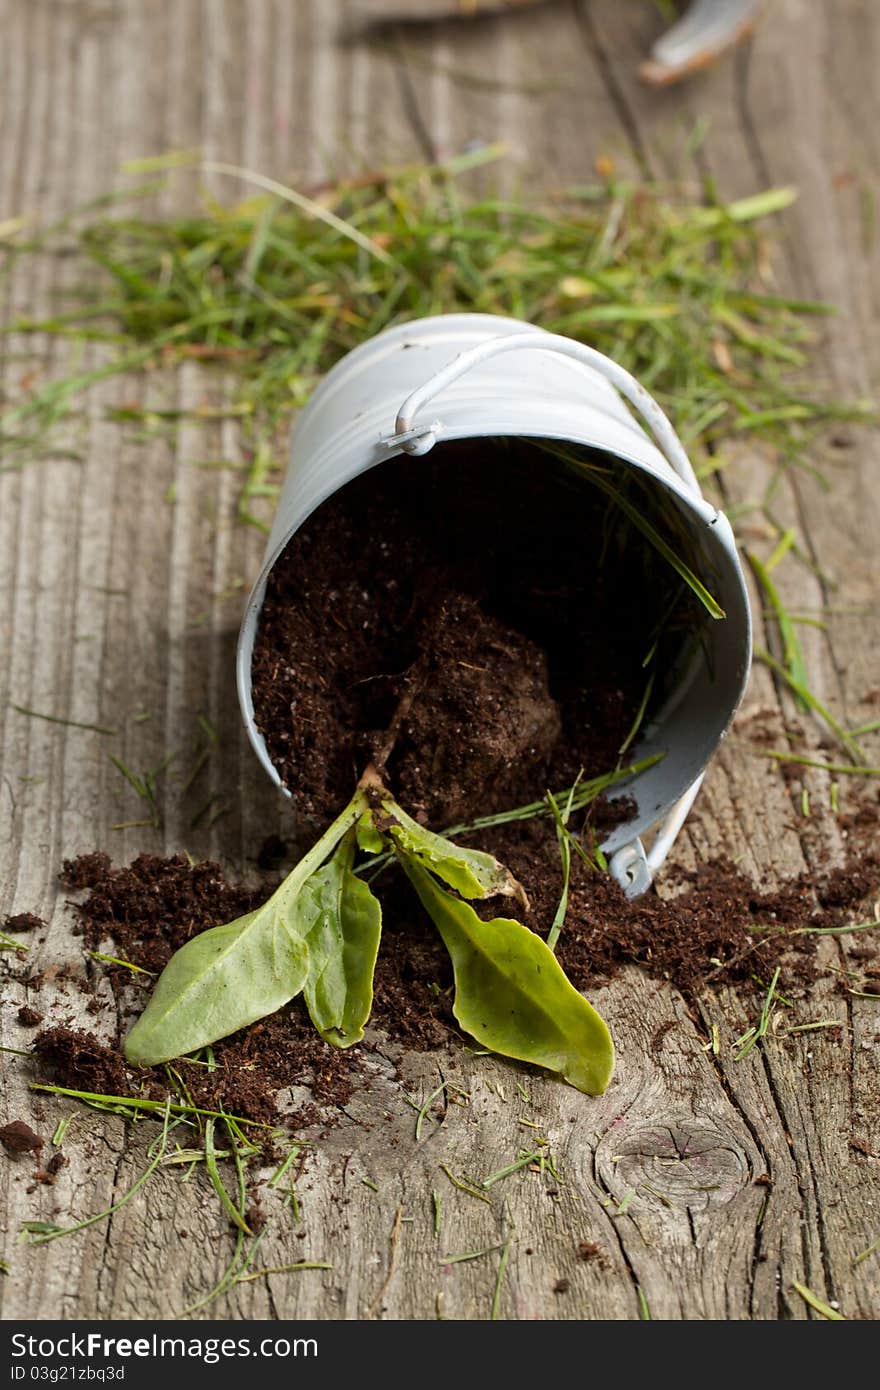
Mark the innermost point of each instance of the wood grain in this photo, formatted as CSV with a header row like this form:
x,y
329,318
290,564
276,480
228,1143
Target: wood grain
x,y
707,1185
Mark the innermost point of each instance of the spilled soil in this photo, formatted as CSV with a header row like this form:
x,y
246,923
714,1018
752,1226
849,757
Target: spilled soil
x,y
718,929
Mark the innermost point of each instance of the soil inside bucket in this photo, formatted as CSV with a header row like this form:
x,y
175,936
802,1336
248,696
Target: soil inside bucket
x,y
482,622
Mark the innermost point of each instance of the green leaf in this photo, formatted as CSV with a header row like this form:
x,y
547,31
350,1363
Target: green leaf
x,y
471,872
222,980
231,975
512,995
344,926
368,837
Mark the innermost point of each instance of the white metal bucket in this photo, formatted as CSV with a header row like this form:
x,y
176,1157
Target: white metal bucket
x,y
485,376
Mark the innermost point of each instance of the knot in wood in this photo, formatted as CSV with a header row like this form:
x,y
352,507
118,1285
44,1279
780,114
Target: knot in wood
x,y
681,1164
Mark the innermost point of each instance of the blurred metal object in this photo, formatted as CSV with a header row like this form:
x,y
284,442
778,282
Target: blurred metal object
x,y
709,29
426,12
473,6
703,33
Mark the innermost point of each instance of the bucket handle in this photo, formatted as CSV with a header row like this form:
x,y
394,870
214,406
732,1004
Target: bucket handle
x,y
419,440
630,866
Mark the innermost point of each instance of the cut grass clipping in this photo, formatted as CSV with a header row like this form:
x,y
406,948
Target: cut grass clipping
x,y
319,935
279,287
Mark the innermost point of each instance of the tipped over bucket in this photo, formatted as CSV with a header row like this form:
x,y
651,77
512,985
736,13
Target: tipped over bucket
x,y
474,376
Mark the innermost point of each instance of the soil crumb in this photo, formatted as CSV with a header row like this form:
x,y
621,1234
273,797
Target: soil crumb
x,y
23,921
589,1250
18,1138
48,1176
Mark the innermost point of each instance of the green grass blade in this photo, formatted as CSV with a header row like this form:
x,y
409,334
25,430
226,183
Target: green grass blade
x,y
811,702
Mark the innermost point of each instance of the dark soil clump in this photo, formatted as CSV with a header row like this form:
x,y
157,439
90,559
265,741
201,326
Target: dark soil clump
x,y
476,622
85,870
18,1138
23,921
77,1059
494,711
48,1176
718,929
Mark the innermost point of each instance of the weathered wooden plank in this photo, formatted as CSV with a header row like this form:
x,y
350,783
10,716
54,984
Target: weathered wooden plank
x,y
768,121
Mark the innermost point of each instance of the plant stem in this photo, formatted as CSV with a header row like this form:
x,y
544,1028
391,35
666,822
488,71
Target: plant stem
x,y
123,1103
324,847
